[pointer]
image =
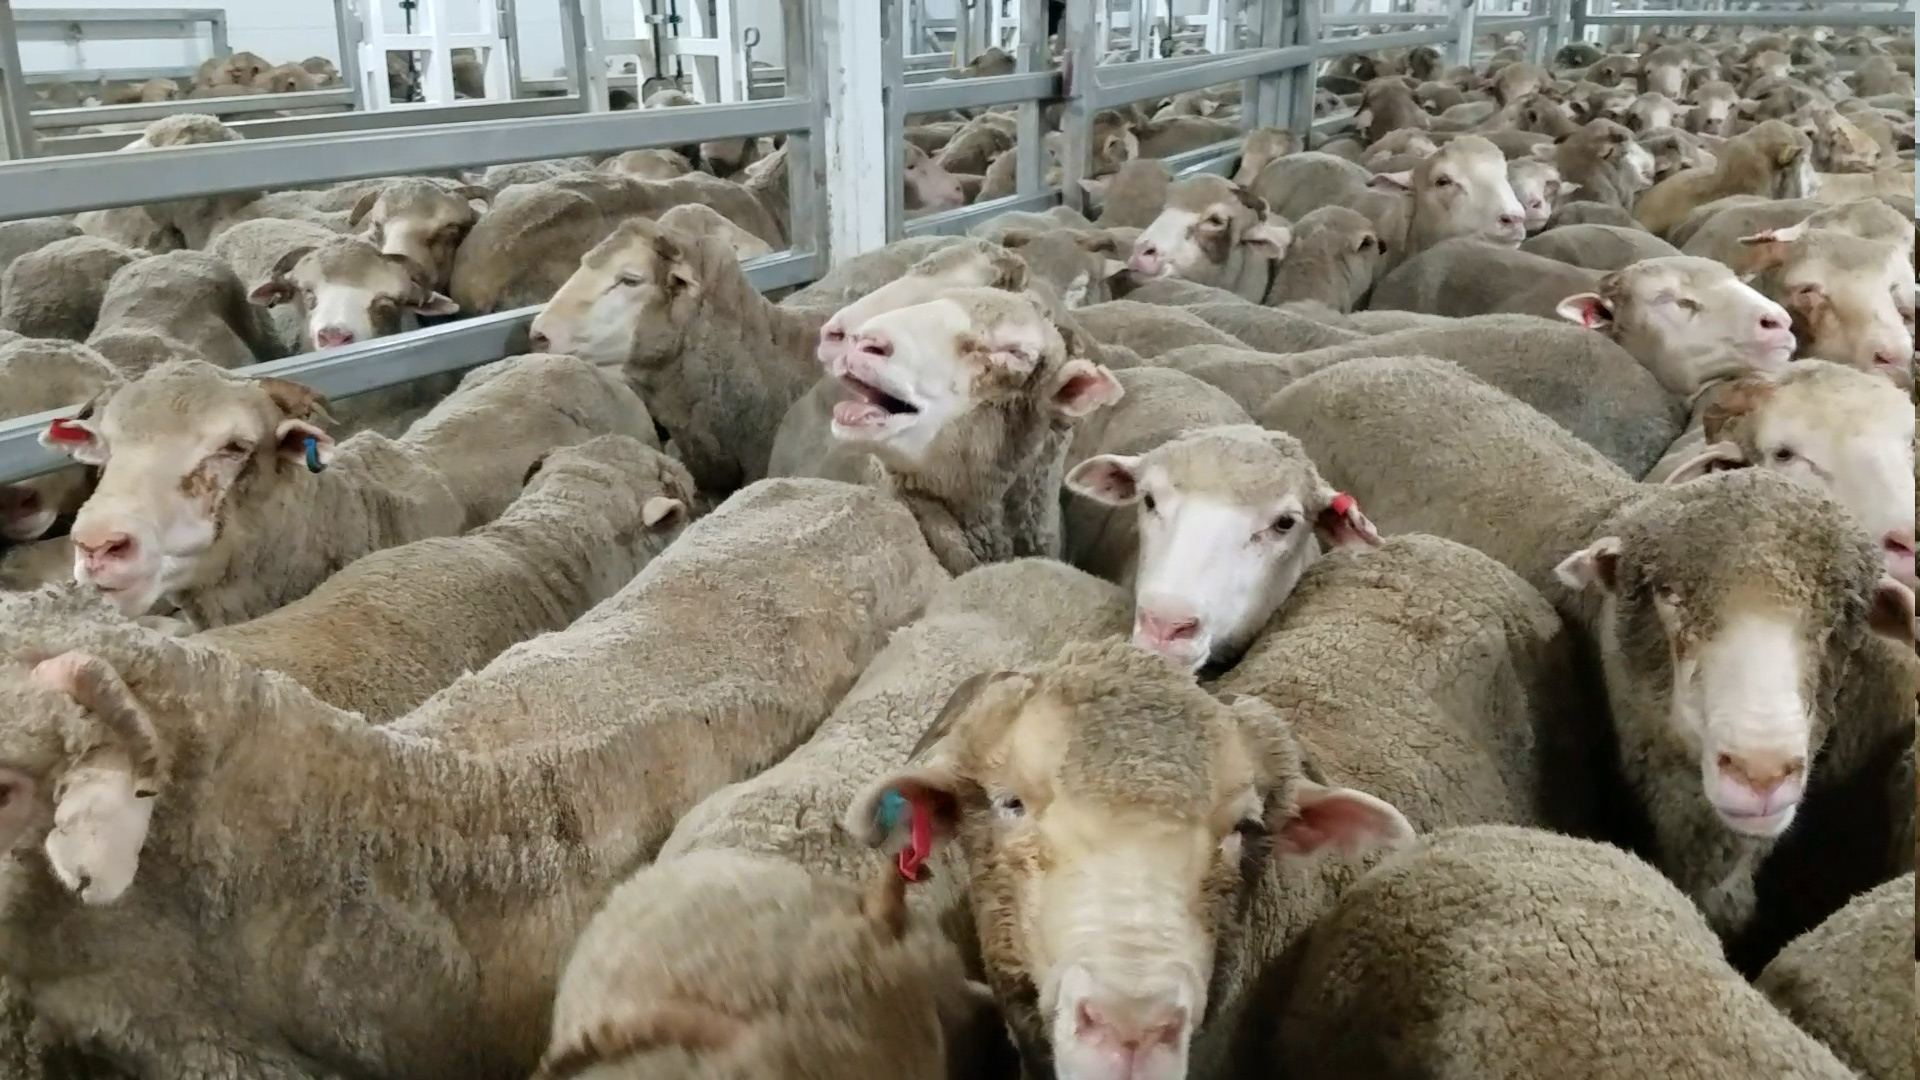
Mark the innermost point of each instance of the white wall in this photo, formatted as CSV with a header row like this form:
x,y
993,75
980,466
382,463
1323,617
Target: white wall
x,y
292,30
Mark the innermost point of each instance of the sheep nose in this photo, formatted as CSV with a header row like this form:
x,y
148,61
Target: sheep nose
x,y
1761,773
1126,1031
1890,358
1511,221
539,342
1160,630
875,345
1773,321
102,550
331,337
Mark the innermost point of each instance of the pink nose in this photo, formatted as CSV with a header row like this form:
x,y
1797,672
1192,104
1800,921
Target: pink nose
x,y
101,551
1773,322
1899,547
1124,1035
875,345
1890,358
1512,221
1159,631
539,342
1145,258
1762,774
330,337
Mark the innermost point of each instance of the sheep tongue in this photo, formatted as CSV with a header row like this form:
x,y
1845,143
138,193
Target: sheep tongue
x,y
859,414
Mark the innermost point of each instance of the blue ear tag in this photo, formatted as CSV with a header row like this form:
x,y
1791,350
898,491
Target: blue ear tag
x,y
314,464
892,805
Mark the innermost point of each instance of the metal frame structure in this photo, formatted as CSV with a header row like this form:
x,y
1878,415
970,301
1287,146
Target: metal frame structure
x,y
71,26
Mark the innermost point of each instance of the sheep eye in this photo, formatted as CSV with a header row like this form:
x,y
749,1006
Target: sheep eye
x,y
1148,502
236,448
1668,595
1283,524
631,280
1783,455
1690,306
1443,180
1009,807
1252,829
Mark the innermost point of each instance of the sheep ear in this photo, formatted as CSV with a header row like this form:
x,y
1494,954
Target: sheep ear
x,y
1107,478
1586,309
271,293
305,443
1271,238
296,400
1340,819
1111,268
662,508
1394,183
1769,247
1363,118
1568,187
1596,564
892,810
78,439
362,208
436,304
1719,457
1082,387
1891,615
1342,525
1095,189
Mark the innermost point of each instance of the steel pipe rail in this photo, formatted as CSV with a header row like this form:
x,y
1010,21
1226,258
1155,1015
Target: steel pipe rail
x,y
956,222
1403,39
983,93
383,362
1233,67
154,110
48,186
1762,18
1388,18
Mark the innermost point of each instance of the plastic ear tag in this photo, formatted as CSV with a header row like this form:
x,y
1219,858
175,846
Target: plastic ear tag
x,y
314,464
1343,504
913,858
67,431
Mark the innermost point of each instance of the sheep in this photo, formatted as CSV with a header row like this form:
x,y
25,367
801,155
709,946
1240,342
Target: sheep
x,y
35,563
811,979
1719,230
529,789
653,164
192,298
1149,329
226,496
135,349
335,290
1158,920
1461,190
393,627
1598,247
988,619
1772,586
31,234
498,178
1497,953
40,375
1835,188
966,403
1773,159
929,187
1592,213
1134,196
1262,147
1334,258
421,220
1538,186
1686,319
1386,106
526,247
1605,161
716,363
55,291
974,147
1831,427
1160,404
1847,982
719,157
696,218
1230,517
1851,298
1217,233
867,271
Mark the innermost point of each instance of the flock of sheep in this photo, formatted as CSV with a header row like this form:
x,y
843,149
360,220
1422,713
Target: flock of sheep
x,y
1438,604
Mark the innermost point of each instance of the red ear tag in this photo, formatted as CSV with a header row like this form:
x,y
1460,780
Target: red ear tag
x,y
1343,504
67,431
913,857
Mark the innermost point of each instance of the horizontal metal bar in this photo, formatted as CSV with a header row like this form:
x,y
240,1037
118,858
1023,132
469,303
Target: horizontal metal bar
x,y
982,93
1755,18
383,362
47,186
154,110
1404,39
957,222
87,75
1233,67
23,16
1386,18
1218,159
1508,24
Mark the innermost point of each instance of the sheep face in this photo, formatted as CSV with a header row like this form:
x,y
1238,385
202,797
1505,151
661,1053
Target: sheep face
x,y
1851,298
177,448
696,219
1116,822
347,291
1713,105
80,769
1462,190
930,186
1538,186
1229,518
1737,638
1209,228
961,377
1831,428
422,221
1650,111
1688,320
976,264
637,274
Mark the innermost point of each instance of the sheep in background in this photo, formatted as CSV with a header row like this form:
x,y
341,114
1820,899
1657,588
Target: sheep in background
x,y
422,220
55,291
529,789
31,234
335,290
1217,233
1497,953
1598,247
191,298
396,625
40,375
1849,984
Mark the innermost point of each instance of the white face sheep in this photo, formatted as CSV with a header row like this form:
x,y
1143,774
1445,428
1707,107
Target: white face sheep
x,y
1462,190
1229,519
1215,232
1111,812
1538,186
929,186
1851,297
421,220
1689,320
973,264
1830,427
347,290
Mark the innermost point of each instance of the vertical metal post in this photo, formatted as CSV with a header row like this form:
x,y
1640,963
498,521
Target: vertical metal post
x,y
1577,17
1307,31
1031,55
892,149
583,30
1077,75
1556,35
1463,28
849,36
808,228
16,102
1268,97
346,25
218,27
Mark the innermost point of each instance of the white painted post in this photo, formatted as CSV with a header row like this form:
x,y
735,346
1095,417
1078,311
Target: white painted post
x,y
849,46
